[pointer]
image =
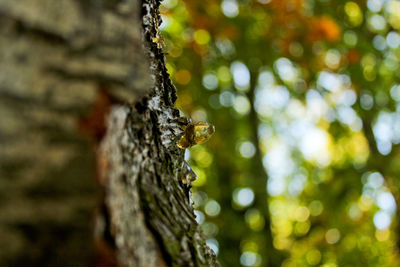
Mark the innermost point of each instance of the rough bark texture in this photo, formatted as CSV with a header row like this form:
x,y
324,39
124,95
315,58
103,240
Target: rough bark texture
x,y
66,67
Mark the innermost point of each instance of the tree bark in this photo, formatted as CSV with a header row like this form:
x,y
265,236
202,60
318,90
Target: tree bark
x,y
85,97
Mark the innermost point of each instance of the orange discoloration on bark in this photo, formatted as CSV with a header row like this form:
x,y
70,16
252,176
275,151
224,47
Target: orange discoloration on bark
x,y
93,124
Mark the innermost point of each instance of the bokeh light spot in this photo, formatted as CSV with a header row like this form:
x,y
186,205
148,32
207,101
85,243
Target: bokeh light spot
x,y
354,13
226,98
382,220
212,208
247,149
241,76
230,8
302,228
199,216
243,197
393,40
241,105
313,257
254,219
201,36
183,77
213,244
210,81
209,229
316,207
375,5
350,38
301,214
332,236
382,235
249,258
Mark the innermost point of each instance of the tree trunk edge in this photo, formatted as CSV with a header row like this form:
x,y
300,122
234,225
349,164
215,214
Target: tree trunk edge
x,y
152,222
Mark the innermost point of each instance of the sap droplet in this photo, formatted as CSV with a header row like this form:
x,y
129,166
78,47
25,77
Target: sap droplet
x,y
158,39
188,174
195,134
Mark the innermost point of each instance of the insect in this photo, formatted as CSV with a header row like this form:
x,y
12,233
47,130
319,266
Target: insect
x,y
195,133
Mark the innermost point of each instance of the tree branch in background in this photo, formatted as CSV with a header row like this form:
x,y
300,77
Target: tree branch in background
x,y
260,180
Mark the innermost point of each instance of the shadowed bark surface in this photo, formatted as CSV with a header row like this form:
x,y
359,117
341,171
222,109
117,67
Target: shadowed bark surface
x,y
88,134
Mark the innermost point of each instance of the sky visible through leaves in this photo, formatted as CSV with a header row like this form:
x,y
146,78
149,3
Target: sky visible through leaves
x,y
303,169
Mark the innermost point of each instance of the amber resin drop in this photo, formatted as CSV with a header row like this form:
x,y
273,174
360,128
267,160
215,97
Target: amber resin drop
x,y
195,134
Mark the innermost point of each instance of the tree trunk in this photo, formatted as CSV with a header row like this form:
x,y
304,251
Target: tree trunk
x,y
88,134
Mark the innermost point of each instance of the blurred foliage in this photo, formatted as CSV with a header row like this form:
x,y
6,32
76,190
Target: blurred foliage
x,y
303,169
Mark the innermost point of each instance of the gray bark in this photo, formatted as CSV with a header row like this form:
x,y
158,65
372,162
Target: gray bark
x,y
87,122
